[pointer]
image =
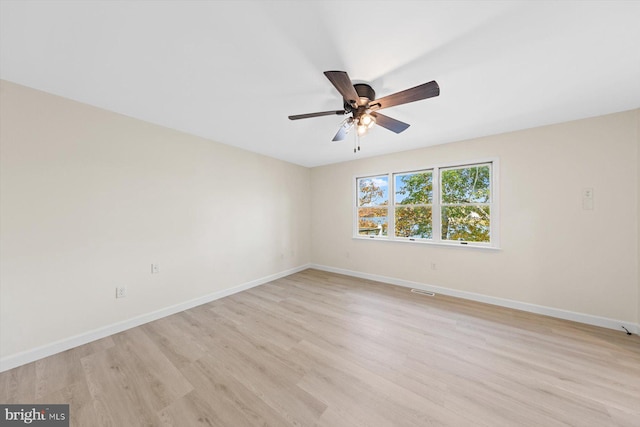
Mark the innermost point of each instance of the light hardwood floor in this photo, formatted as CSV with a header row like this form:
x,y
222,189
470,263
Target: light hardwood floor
x,y
317,348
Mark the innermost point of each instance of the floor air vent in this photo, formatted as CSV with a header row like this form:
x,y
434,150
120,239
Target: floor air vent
x,y
421,292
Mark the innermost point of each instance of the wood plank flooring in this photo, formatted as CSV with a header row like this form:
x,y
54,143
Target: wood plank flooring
x,y
321,349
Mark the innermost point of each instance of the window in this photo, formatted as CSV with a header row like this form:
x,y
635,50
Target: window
x,y
413,197
465,203
373,205
452,204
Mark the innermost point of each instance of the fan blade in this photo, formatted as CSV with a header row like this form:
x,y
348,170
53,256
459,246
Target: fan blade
x,y
342,82
392,124
424,91
323,113
342,134
345,127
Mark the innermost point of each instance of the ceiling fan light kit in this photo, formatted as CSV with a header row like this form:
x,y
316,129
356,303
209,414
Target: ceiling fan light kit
x,y
360,103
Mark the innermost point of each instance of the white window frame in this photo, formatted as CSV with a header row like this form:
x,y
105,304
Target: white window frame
x,y
441,203
436,206
393,204
358,207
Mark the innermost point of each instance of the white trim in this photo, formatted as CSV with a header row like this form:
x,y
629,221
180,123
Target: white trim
x,y
495,203
28,356
448,244
588,319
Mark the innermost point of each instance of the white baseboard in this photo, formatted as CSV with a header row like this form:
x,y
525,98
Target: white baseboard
x,y
523,306
22,358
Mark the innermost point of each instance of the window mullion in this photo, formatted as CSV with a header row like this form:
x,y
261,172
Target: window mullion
x,y
391,210
435,211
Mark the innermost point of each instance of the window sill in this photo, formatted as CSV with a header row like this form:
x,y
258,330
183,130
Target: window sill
x,y
467,245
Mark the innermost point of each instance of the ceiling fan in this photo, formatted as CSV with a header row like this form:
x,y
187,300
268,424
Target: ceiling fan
x,y
362,107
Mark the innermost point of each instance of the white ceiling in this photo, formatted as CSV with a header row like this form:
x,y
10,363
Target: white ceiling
x,y
232,71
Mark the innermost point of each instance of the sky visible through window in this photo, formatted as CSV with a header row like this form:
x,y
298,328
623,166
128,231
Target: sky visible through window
x,y
400,194
379,197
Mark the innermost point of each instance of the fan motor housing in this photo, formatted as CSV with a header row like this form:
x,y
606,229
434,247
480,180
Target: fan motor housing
x,y
364,91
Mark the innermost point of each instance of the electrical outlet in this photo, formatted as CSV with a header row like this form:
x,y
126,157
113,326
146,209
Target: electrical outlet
x,y
121,291
155,269
434,266
587,199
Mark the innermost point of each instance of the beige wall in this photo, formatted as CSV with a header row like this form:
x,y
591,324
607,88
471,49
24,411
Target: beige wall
x,y
89,199
554,254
